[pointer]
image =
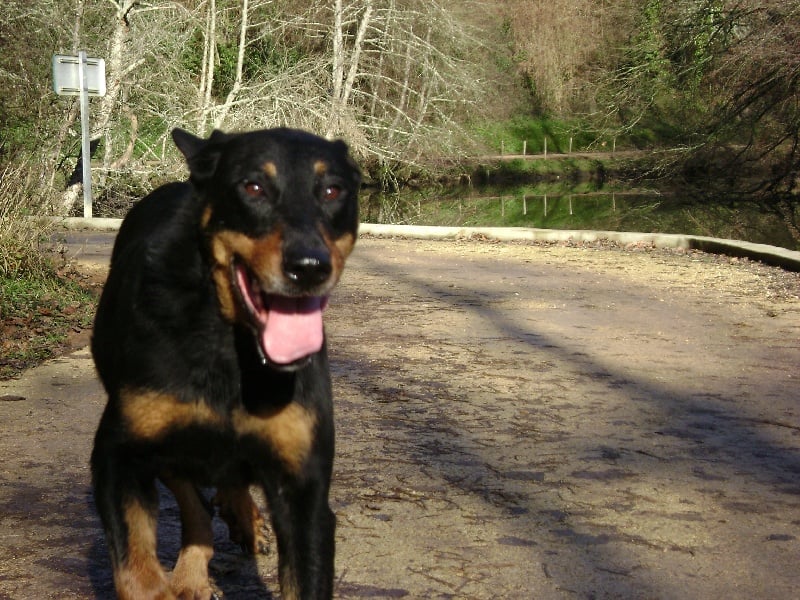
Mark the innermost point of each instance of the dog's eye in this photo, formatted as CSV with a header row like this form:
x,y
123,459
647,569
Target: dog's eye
x,y
253,189
331,192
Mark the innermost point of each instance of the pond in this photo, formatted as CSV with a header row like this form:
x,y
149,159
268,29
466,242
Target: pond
x,y
550,206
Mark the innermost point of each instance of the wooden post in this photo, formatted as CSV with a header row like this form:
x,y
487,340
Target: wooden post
x,y
524,204
502,147
524,147
545,148
570,144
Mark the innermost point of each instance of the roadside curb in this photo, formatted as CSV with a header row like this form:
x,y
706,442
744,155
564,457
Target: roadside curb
x,y
772,255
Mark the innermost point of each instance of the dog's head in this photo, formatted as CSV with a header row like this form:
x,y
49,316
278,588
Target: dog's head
x,y
280,213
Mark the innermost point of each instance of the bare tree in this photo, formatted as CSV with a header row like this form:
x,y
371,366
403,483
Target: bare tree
x,y
102,113
343,84
209,62
381,73
126,44
237,81
398,75
560,47
31,123
758,83
391,76
724,77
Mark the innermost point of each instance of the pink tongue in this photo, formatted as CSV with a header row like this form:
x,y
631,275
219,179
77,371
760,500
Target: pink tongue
x,y
293,329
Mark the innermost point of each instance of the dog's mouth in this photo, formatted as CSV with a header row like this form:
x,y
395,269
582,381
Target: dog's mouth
x,y
288,329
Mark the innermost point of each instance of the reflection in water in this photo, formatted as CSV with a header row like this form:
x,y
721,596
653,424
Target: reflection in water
x,y
556,207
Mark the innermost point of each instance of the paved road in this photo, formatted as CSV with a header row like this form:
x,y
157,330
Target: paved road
x,y
514,421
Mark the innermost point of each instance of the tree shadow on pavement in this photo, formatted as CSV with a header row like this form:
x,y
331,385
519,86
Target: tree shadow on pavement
x,y
692,444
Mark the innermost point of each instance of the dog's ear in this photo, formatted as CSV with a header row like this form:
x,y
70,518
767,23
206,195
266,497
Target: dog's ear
x,y
201,155
341,146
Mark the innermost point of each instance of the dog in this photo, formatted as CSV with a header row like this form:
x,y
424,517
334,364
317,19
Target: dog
x,y
209,342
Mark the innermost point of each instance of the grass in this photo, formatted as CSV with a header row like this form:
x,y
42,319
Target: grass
x,y
38,315
527,132
509,170
41,305
512,135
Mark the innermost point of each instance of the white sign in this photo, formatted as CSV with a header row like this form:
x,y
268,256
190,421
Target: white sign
x,y
66,75
81,76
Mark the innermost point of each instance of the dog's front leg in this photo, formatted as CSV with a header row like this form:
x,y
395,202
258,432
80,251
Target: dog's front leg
x,y
304,527
128,505
190,576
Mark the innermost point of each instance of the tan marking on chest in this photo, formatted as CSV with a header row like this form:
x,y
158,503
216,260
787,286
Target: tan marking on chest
x,y
289,431
150,415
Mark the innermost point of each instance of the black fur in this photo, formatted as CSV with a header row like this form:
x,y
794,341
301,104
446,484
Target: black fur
x,y
194,396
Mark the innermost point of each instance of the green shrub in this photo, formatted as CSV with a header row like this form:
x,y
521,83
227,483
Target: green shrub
x,y
38,306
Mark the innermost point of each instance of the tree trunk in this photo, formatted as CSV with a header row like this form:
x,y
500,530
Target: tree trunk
x,y
128,153
209,62
343,87
237,82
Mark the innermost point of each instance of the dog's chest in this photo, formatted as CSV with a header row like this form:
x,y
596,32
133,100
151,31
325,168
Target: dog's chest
x,y
195,432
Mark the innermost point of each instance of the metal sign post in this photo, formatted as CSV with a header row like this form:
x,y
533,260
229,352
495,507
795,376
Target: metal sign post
x,y
84,77
86,148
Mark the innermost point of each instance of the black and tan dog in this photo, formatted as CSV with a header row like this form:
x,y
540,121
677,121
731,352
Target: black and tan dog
x,y
209,341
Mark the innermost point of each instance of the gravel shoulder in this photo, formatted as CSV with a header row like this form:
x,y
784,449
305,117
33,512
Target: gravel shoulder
x,y
514,420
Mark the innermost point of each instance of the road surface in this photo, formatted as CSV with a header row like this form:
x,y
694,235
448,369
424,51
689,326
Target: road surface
x,y
514,421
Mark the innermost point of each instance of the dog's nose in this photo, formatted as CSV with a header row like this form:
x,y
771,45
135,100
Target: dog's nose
x,y
307,268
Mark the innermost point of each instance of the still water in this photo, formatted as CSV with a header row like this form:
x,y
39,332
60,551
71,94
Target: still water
x,y
558,207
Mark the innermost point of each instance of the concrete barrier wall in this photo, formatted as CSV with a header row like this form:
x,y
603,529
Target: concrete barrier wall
x,y
772,255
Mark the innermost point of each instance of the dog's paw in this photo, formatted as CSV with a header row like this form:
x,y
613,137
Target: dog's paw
x,y
246,526
260,543
252,539
193,588
189,579
202,594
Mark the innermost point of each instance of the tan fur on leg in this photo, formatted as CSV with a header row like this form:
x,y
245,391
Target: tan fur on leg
x,y
190,576
140,577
